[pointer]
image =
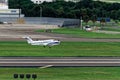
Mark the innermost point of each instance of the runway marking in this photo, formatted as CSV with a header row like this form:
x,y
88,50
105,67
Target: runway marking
x,y
46,66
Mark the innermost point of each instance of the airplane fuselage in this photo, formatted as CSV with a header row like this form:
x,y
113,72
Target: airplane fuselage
x,y
49,42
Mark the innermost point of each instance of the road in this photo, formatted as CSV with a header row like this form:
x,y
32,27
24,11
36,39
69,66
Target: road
x,y
58,61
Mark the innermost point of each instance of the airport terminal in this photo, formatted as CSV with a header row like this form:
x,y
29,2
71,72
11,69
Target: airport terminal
x,y
6,12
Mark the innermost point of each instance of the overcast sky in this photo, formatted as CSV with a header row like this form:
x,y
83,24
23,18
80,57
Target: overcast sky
x,y
46,0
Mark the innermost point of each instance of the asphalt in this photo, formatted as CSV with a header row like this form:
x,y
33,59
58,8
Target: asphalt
x,y
59,61
16,32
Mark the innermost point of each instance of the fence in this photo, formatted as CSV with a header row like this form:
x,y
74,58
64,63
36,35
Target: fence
x,y
43,20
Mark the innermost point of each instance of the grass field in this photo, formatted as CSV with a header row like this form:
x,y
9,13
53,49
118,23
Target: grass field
x,y
82,33
78,73
111,29
64,49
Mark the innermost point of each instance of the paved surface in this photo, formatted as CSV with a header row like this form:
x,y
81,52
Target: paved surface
x,y
17,31
58,61
107,32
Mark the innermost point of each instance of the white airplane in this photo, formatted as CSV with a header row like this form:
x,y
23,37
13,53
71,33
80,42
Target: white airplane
x,y
49,42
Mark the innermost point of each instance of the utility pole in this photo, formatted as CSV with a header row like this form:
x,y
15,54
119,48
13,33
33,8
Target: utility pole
x,y
19,8
81,22
40,12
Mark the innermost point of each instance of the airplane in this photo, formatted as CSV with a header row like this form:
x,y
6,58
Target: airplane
x,y
44,43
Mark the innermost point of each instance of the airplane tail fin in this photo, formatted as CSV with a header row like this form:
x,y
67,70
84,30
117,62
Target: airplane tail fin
x,y
29,40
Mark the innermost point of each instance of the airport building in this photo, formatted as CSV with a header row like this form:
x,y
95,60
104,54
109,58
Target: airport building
x,y
3,4
40,1
12,16
6,12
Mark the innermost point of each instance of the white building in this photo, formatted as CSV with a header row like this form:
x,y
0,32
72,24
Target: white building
x,y
6,12
3,4
40,1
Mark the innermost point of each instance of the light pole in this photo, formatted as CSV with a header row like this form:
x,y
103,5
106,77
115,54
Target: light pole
x,y
40,11
19,8
81,22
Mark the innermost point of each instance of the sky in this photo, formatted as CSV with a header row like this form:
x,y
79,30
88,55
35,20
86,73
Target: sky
x,y
46,0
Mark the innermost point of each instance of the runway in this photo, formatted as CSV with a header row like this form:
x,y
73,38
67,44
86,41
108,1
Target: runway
x,y
58,61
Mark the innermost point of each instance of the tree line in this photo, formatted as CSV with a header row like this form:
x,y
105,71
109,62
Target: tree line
x,y
87,9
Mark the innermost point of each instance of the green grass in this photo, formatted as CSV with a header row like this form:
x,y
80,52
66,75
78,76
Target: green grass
x,y
111,29
75,32
64,49
79,73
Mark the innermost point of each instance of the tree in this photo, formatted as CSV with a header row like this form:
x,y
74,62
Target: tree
x,y
49,12
94,19
61,8
102,22
86,19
